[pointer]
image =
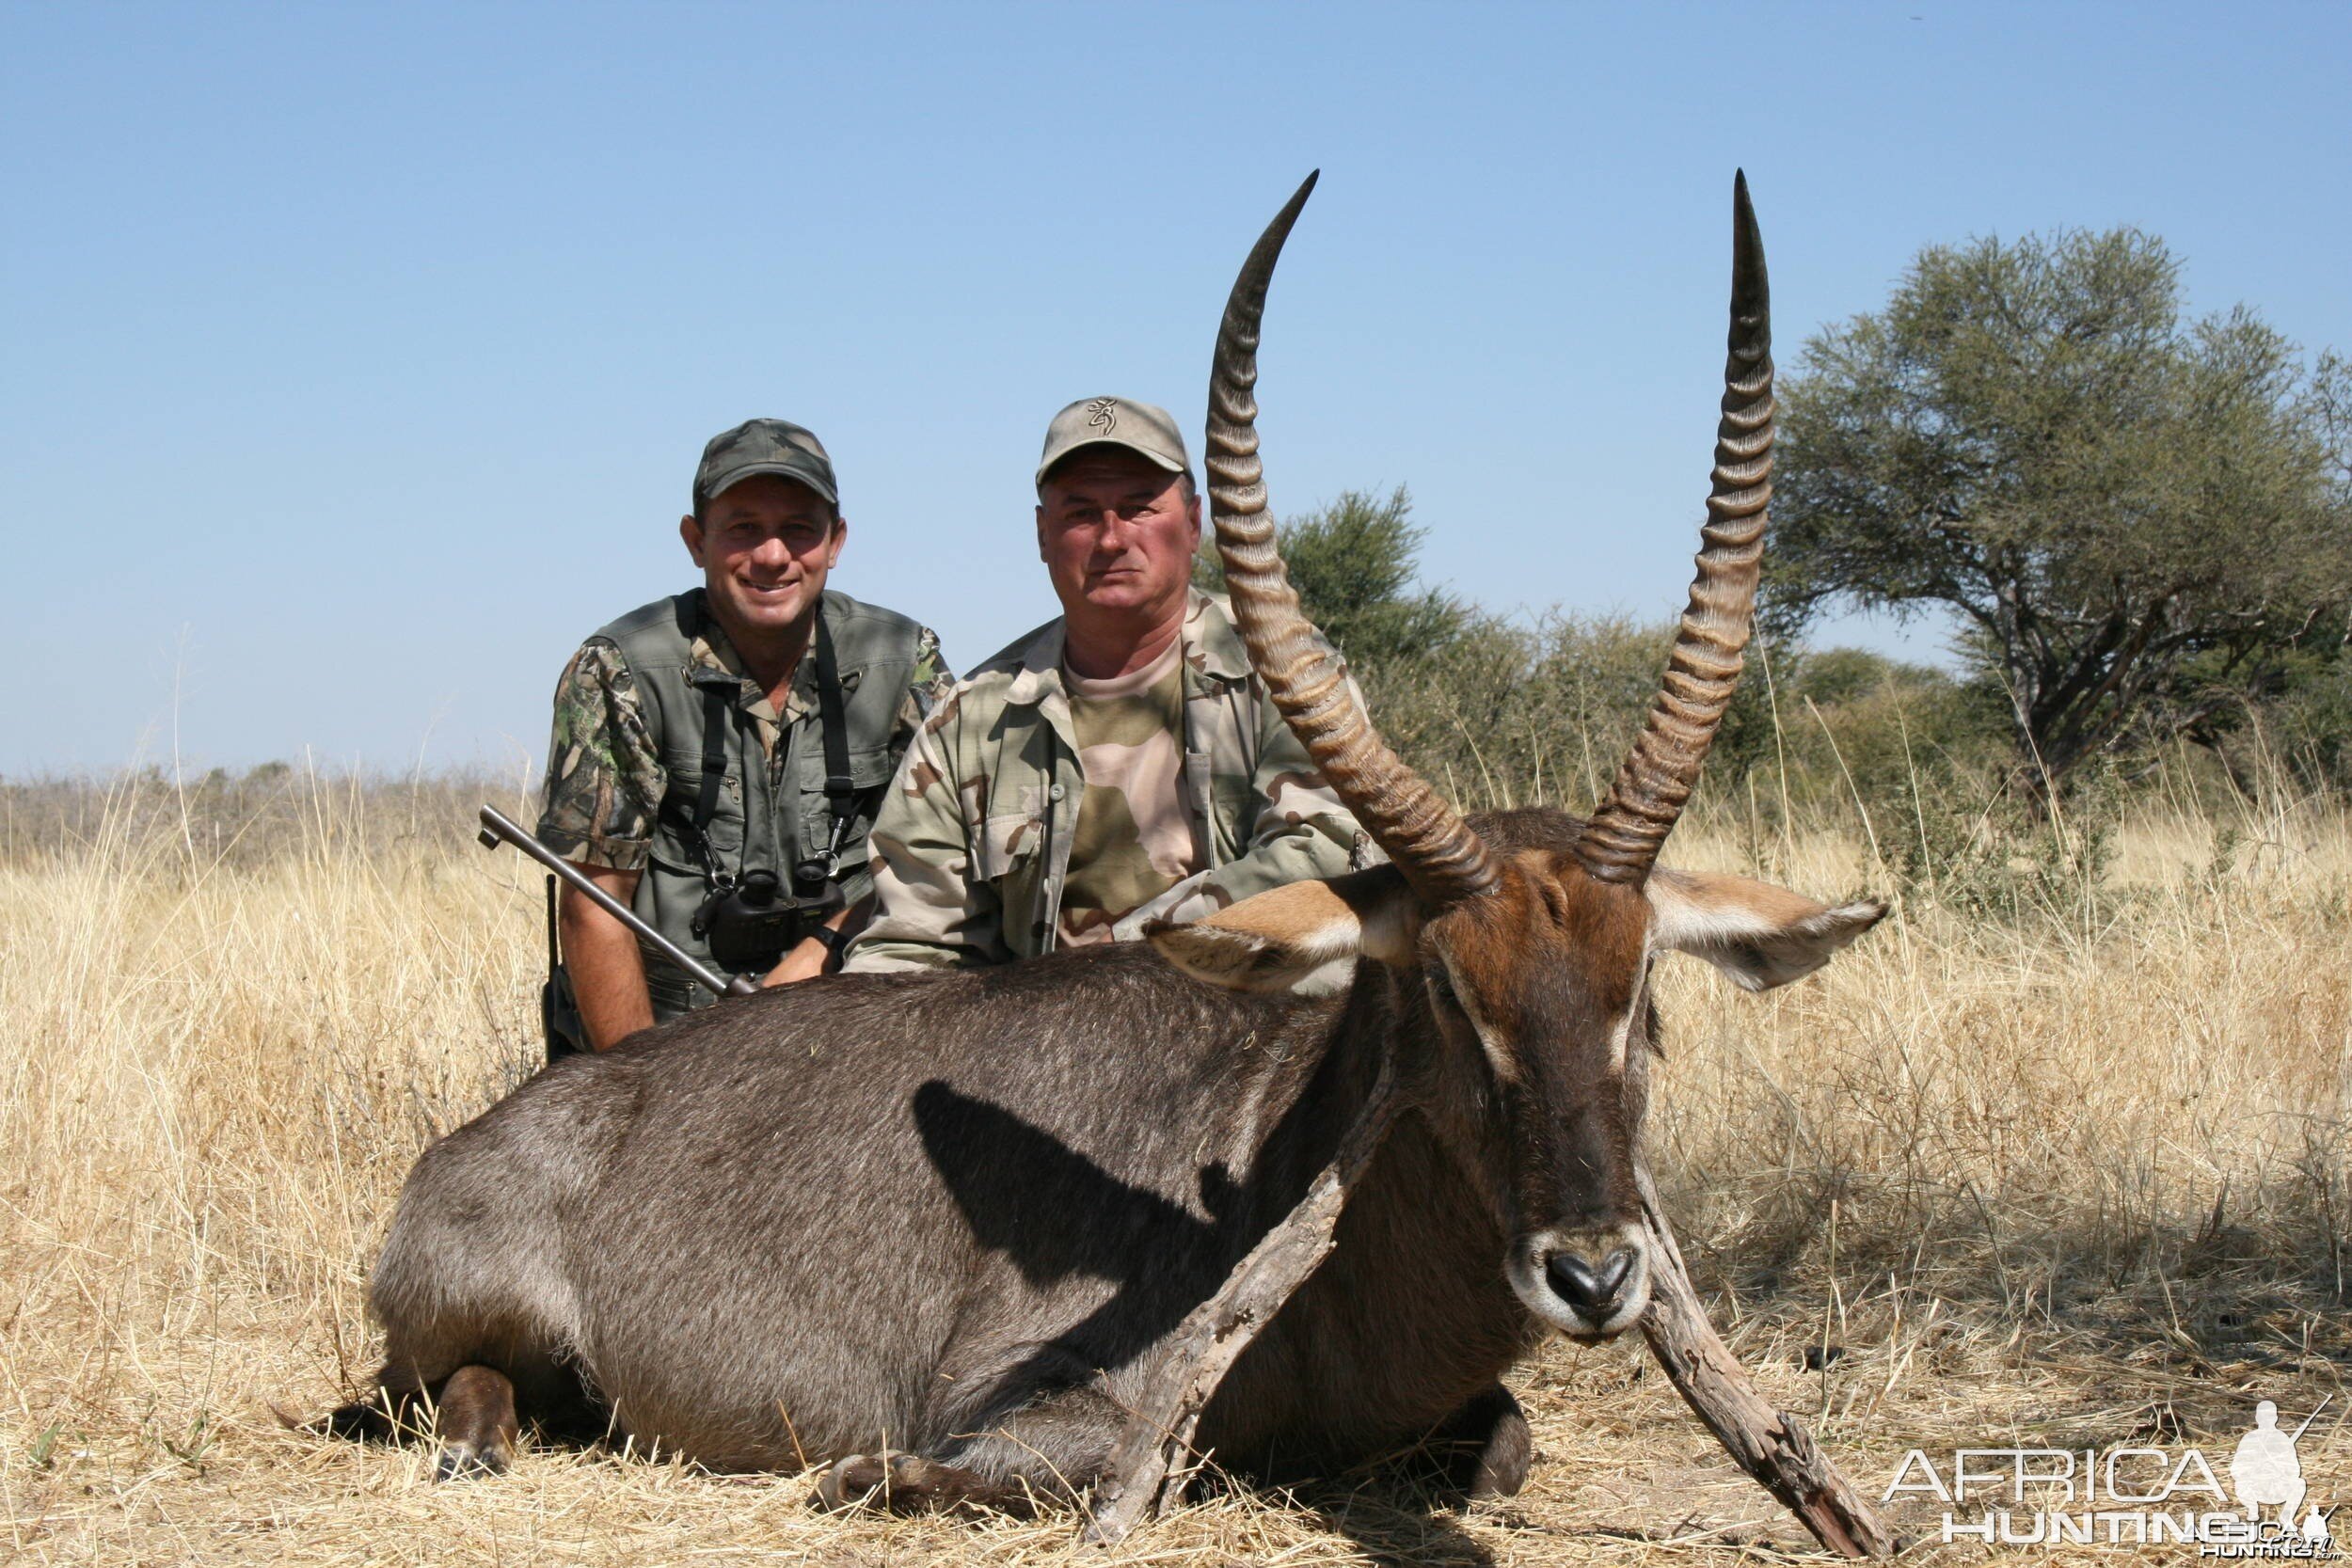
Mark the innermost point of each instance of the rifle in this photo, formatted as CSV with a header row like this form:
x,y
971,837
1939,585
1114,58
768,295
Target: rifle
x,y
496,825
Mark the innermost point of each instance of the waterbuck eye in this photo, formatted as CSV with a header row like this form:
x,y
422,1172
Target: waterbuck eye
x,y
1442,987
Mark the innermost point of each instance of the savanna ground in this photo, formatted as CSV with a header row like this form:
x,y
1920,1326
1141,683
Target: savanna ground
x,y
2058,1157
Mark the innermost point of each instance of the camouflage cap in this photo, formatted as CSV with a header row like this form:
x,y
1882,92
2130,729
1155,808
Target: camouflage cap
x,y
764,447
1114,423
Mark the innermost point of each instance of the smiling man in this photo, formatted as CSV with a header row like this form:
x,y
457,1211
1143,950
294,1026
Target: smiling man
x,y
717,754
1119,763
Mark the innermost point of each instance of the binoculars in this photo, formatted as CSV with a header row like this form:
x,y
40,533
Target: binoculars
x,y
749,922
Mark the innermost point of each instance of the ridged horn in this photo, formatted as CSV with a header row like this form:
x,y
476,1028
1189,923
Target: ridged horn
x,y
1426,838
1622,839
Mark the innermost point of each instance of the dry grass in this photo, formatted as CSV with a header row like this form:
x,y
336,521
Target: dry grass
x,y
2070,1175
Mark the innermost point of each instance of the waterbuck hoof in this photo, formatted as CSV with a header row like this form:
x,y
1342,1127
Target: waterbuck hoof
x,y
464,1461
1488,1446
358,1422
849,1483
1501,1469
909,1483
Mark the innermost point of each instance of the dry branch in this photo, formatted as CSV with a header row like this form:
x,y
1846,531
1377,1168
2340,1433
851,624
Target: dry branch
x,y
1766,1443
1148,1468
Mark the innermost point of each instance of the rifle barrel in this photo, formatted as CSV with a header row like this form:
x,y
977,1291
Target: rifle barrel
x,y
496,825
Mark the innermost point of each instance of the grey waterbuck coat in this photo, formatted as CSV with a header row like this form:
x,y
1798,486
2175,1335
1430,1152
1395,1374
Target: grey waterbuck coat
x,y
955,1214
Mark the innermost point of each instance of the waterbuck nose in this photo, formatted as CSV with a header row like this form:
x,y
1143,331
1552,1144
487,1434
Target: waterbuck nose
x,y
1592,1291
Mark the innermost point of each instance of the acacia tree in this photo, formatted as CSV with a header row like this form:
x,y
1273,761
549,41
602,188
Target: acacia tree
x,y
1352,561
2129,513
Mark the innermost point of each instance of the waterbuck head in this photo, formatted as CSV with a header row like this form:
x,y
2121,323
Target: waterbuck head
x,y
1521,957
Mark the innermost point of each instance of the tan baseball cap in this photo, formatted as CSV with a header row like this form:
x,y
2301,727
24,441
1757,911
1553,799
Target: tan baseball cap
x,y
1142,427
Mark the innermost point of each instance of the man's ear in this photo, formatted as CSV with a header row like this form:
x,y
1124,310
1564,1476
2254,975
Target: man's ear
x,y
1760,935
1303,939
840,537
692,532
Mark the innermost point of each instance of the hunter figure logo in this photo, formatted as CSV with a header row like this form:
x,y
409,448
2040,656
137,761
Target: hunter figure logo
x,y
2131,1497
2265,1471
1102,415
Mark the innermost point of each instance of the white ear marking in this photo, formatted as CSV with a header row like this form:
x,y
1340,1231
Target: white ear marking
x,y
1759,935
1303,938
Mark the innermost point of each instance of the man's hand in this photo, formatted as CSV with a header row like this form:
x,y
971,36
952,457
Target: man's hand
x,y
804,962
813,958
600,954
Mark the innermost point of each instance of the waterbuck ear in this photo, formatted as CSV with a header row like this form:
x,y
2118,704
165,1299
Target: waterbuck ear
x,y
1303,939
1760,935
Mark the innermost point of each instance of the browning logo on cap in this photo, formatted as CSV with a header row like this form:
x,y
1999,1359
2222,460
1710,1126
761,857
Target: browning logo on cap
x,y
1140,427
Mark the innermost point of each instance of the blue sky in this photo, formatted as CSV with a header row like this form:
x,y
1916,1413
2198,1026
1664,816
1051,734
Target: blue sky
x,y
356,358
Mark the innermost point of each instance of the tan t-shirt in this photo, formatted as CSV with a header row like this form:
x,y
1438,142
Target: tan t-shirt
x,y
1134,839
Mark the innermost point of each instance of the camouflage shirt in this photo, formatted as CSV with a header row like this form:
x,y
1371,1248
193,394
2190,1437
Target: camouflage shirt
x,y
973,846
1133,840
605,778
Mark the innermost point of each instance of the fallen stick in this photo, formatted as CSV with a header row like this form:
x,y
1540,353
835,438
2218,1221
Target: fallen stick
x,y
1766,1443
1148,1470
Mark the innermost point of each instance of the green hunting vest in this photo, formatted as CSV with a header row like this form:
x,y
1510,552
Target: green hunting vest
x,y
761,821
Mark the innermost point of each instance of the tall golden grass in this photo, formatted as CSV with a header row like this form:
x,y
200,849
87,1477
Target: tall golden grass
x,y
2067,1164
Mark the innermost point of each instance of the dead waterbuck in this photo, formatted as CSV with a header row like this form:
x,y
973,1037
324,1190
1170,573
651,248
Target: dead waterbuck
x,y
951,1217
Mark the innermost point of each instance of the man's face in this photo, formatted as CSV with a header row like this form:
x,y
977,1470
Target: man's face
x,y
765,544
1116,531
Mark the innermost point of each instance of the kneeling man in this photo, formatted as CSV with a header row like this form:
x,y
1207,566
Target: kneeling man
x,y
1118,765
719,752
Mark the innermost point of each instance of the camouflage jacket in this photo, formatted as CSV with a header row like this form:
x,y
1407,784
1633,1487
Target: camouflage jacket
x,y
972,845
606,770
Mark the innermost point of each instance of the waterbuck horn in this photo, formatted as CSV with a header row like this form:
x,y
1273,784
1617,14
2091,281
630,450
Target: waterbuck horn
x,y
1622,838
1426,838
